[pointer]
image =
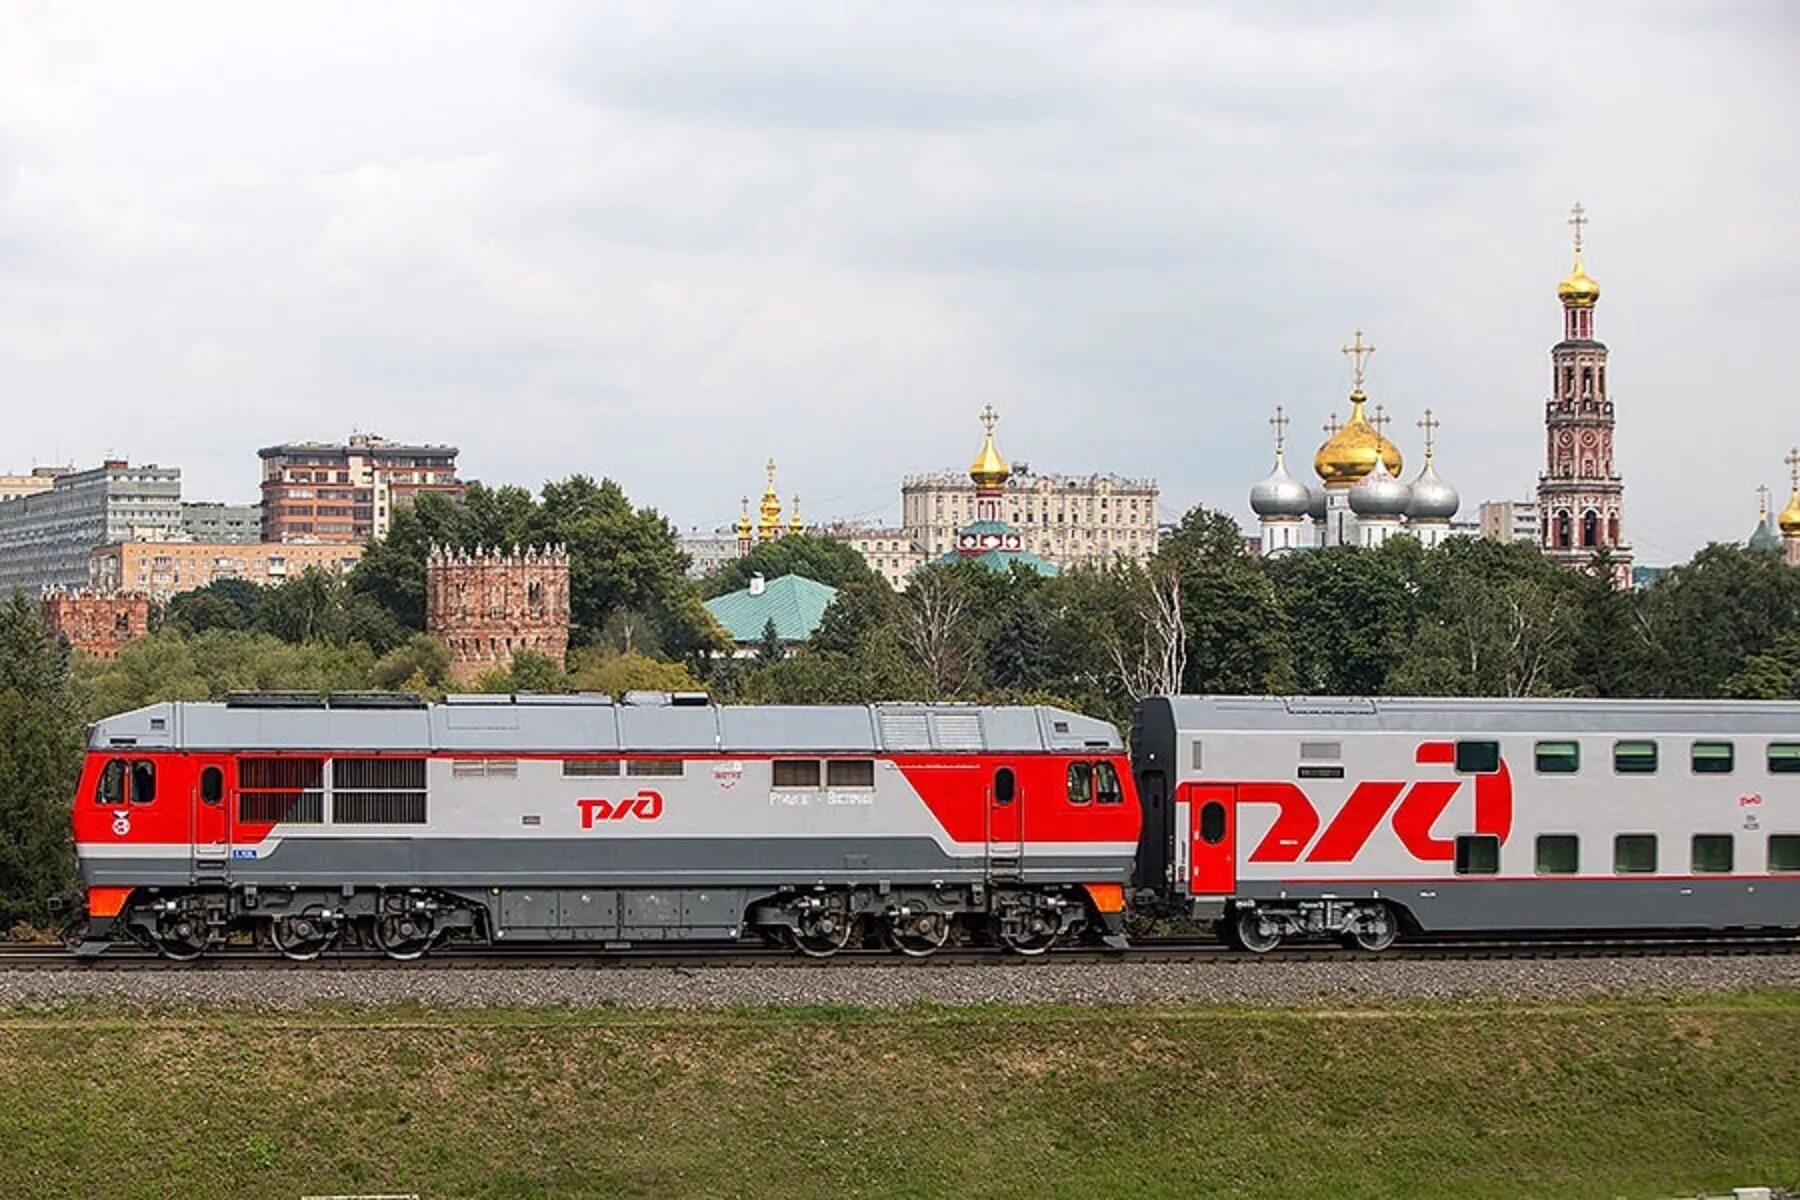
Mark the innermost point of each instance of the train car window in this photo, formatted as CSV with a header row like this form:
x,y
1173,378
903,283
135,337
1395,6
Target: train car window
x,y
1477,854
1006,787
1199,758
1212,822
794,773
1558,854
1081,782
1558,758
143,781
1714,758
659,768
1712,853
1634,758
1784,852
590,768
1634,854
212,785
111,788
1477,758
1106,784
1784,758
850,773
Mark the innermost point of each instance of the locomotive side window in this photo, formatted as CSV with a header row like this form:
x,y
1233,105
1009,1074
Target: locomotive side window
x,y
1005,786
1558,758
1558,854
850,772
1477,758
111,788
1634,854
212,785
795,773
143,781
1784,758
1081,782
1713,758
1634,758
1106,784
1477,854
1712,853
1784,852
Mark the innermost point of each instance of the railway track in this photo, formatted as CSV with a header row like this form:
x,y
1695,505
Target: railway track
x,y
40,957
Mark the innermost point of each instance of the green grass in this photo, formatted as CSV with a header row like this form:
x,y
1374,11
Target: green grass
x,y
1640,1098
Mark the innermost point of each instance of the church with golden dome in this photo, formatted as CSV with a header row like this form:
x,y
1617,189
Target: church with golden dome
x,y
1781,532
1361,497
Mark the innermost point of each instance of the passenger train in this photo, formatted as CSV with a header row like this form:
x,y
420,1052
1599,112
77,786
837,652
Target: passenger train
x,y
303,820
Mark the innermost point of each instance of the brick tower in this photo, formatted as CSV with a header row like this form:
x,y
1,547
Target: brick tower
x,y
1580,494
97,623
487,604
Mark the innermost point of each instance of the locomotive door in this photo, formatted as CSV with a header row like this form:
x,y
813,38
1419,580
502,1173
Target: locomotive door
x,y
210,817
1005,824
1211,833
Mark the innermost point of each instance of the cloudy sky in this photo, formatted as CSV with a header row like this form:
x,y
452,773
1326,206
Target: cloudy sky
x,y
663,242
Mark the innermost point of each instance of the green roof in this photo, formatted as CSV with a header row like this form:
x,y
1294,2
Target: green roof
x,y
1765,538
795,603
1002,560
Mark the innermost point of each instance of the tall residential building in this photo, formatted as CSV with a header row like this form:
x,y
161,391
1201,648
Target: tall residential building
x,y
346,491
211,521
1509,521
46,537
1580,494
163,569
1065,519
40,480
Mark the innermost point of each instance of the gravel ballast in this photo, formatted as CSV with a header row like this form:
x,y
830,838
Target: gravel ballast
x,y
1239,982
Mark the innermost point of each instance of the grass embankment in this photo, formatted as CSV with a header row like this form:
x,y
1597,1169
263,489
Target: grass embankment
x,y
1602,1099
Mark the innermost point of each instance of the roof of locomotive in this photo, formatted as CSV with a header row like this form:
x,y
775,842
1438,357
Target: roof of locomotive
x,y
583,724
1443,714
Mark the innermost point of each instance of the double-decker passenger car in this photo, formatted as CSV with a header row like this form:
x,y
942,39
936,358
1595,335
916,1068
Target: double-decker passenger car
x,y
1363,817
664,817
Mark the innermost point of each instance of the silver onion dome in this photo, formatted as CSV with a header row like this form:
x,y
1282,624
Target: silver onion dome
x,y
1316,502
1379,494
1432,498
1280,495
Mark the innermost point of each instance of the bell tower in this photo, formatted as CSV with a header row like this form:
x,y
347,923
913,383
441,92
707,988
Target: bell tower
x,y
1580,493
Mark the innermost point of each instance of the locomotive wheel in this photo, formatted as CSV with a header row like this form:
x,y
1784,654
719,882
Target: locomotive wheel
x,y
404,936
822,932
1036,932
302,937
180,941
1254,932
917,936
1373,929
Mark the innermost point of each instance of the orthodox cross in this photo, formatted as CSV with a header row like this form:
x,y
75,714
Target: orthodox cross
x,y
1380,419
1793,464
1430,425
1357,353
1332,426
989,417
770,468
1577,218
1279,423
1762,501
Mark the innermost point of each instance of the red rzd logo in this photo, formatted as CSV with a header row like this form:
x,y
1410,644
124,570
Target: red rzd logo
x,y
645,806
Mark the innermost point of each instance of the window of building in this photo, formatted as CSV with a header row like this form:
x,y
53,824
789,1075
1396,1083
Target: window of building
x,y
1081,782
1634,854
1558,854
1477,854
1784,852
1634,758
795,773
850,773
1713,758
1477,758
1784,758
1106,784
1712,853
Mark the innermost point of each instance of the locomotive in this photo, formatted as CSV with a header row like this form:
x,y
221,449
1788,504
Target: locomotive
x,y
304,819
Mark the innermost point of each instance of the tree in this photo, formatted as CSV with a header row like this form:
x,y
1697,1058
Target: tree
x,y
40,760
937,630
221,604
768,647
1706,619
421,665
1149,648
598,670
821,559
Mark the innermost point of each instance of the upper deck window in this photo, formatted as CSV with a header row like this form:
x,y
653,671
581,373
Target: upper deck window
x,y
1634,758
1478,758
1713,758
1558,758
1784,758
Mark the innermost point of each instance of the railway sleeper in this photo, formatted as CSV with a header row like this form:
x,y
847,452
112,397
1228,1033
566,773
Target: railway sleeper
x,y
1261,925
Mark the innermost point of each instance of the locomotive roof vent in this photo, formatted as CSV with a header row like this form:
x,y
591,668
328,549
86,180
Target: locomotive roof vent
x,y
540,700
689,699
274,700
375,700
648,699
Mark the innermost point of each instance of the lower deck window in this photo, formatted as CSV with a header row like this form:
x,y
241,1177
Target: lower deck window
x,y
1558,854
1634,854
1784,852
1477,854
1712,853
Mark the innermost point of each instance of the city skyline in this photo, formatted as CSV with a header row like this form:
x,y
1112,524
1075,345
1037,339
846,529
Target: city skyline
x,y
646,238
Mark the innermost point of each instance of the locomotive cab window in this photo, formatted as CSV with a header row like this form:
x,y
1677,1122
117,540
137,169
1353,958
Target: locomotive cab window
x,y
111,788
1558,758
1634,758
1106,784
1558,854
1784,852
1081,782
212,785
795,773
1477,758
1477,854
1713,758
143,781
1712,853
1784,758
1634,854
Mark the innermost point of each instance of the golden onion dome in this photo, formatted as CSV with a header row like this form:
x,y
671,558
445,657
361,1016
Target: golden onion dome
x,y
989,470
1350,453
1789,520
1578,289
743,524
